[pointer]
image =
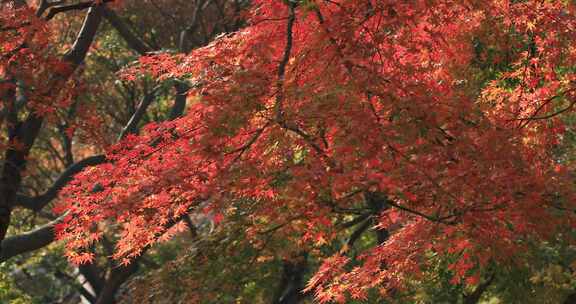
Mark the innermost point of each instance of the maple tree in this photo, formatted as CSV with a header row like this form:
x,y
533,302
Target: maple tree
x,y
78,106
435,123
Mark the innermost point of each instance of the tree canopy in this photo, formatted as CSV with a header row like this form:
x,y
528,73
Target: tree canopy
x,y
402,151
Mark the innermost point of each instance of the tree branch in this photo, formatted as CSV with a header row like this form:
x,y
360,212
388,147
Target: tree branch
x,y
117,277
283,63
358,232
137,45
133,42
120,274
27,131
54,8
46,4
38,202
29,241
179,101
86,36
92,274
72,281
132,125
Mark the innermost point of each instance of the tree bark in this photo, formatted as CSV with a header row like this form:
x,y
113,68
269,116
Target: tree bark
x,y
378,202
26,132
571,299
116,278
475,296
289,291
29,241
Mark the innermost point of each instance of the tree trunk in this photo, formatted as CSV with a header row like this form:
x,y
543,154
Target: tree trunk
x,y
116,278
289,290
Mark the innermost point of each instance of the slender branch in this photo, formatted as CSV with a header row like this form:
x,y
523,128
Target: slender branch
x,y
547,116
184,44
358,232
249,144
279,102
141,48
121,273
132,125
355,221
418,213
283,63
279,108
525,121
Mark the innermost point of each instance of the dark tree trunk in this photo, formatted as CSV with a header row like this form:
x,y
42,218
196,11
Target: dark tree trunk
x,y
571,299
116,278
378,202
475,296
289,290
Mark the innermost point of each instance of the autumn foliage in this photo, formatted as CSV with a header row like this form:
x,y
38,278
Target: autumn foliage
x,y
450,111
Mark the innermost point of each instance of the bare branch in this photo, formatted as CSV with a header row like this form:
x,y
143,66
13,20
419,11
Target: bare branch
x,y
55,9
46,4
